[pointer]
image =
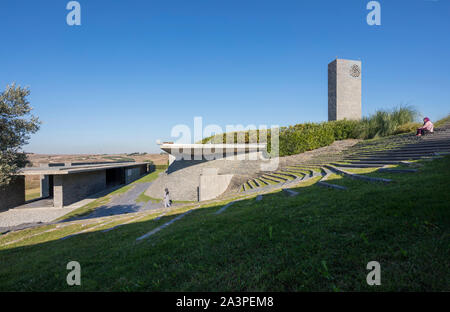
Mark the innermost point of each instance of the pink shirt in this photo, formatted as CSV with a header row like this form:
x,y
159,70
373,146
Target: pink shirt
x,y
428,126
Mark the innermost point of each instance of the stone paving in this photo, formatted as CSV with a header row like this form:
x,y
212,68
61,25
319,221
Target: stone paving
x,y
125,203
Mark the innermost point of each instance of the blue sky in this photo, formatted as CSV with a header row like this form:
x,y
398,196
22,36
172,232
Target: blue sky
x,y
135,68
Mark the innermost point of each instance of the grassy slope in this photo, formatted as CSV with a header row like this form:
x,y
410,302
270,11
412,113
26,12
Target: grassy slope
x,y
442,121
320,240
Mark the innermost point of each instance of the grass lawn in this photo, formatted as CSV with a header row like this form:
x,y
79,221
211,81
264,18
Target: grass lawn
x,y
321,240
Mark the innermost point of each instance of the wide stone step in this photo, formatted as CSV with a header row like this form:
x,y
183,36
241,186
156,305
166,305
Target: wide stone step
x,y
418,155
423,148
265,177
357,165
400,153
402,156
382,162
276,177
404,151
384,158
283,175
310,172
261,182
330,185
358,176
290,175
396,170
429,144
295,172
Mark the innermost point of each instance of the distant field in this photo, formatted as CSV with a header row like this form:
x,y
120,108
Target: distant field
x,y
37,159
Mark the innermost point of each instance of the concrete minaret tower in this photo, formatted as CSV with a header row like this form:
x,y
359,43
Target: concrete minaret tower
x,y
344,90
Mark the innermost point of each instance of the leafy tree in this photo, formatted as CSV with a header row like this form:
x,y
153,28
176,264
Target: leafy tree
x,y
16,125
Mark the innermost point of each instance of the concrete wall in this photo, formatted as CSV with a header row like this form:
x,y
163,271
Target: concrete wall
x,y
134,173
13,194
211,186
182,178
45,185
344,90
70,188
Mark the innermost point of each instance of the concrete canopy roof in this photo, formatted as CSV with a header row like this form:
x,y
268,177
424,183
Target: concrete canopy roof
x,y
210,149
59,170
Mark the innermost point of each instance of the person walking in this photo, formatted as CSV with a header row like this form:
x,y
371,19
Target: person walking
x,y
167,201
427,127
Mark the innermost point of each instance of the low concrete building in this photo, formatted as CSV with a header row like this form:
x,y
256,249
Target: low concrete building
x,y
69,183
252,151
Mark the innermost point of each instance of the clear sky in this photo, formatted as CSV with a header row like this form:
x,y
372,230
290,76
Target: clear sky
x,y
136,68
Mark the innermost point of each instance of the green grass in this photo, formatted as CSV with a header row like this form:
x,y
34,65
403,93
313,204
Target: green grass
x,y
149,177
142,198
319,240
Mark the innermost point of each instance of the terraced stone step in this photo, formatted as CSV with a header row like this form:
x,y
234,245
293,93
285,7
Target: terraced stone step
x,y
271,179
357,165
381,162
262,182
325,177
430,145
256,183
159,228
290,192
358,176
401,152
334,186
290,175
275,177
296,173
396,170
389,156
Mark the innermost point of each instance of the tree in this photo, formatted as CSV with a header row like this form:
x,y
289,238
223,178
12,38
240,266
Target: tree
x,y
16,125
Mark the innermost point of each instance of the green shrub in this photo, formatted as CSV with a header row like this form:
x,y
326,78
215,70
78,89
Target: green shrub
x,y
407,127
384,123
308,136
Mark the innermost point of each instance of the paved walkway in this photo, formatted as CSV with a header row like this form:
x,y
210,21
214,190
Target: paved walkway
x,y
38,212
125,203
28,215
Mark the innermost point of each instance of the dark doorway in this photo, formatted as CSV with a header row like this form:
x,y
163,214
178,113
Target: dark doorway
x,y
115,176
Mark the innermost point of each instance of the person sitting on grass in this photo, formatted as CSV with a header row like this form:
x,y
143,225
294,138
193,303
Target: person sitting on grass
x,y
427,127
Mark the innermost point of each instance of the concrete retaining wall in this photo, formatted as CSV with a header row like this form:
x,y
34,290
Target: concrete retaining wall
x,y
71,188
211,186
182,178
13,194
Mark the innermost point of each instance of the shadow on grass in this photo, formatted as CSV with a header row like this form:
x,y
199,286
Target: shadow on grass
x,y
318,240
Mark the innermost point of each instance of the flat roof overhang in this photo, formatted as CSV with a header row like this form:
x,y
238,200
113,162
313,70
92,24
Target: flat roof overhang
x,y
60,170
212,149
